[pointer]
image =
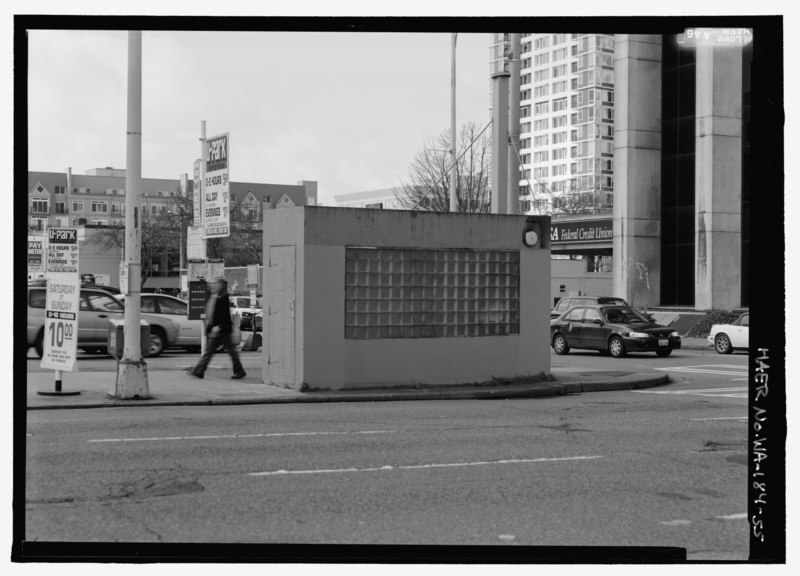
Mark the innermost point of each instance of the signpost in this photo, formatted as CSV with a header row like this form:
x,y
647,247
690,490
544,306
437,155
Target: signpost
x,y
198,218
212,199
216,188
198,294
60,346
195,245
35,267
252,282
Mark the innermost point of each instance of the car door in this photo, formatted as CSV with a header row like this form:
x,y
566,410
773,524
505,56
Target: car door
x,y
96,309
573,327
740,334
189,334
594,331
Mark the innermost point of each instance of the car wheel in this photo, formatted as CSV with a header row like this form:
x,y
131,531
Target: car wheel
x,y
722,344
616,347
157,343
663,353
38,345
560,344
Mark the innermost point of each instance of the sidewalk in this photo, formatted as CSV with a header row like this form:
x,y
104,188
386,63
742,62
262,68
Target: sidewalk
x,y
176,388
695,344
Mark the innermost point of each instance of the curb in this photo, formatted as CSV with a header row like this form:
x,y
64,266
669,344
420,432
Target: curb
x,y
539,390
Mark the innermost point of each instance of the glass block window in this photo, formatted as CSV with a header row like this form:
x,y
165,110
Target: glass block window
x,y
405,293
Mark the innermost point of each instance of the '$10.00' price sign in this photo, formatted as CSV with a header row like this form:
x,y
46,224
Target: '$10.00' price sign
x,y
63,294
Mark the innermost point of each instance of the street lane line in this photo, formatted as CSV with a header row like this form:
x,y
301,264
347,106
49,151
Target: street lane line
x,y
221,436
421,466
721,418
732,517
714,392
693,370
692,390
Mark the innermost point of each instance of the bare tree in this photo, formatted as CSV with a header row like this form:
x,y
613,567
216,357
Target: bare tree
x,y
160,234
429,174
572,201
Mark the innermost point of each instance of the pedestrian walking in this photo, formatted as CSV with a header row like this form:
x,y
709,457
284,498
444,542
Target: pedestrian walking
x,y
219,327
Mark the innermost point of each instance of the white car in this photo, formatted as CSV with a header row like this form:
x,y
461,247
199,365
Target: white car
x,y
175,309
725,338
242,313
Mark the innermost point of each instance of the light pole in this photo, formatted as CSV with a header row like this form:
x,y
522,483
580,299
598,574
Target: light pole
x,y
132,382
514,63
453,171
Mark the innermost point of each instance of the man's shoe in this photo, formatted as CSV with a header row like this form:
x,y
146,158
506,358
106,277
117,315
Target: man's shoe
x,y
193,373
238,376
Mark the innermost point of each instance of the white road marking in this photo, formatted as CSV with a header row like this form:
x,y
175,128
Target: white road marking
x,y
711,392
721,418
266,435
507,537
421,466
711,369
732,517
693,370
678,522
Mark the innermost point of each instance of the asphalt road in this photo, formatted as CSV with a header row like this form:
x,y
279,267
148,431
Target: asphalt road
x,y
171,359
612,468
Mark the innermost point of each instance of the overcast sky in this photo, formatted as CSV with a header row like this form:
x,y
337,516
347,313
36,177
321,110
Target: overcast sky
x,y
348,110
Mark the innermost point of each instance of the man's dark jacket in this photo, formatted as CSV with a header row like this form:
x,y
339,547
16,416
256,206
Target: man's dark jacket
x,y
222,315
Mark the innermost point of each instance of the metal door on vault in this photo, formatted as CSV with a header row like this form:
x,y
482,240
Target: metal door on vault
x,y
281,314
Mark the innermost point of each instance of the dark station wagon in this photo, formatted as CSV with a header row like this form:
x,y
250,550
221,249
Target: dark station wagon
x,y
611,329
568,302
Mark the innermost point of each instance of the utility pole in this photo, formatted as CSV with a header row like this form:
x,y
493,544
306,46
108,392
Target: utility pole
x,y
514,61
132,382
500,142
203,339
453,171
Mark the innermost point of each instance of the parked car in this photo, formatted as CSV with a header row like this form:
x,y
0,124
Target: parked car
x,y
571,301
176,310
97,307
258,320
242,312
725,338
615,330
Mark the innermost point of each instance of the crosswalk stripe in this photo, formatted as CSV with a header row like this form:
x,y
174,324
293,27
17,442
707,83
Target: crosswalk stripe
x,y
692,370
709,392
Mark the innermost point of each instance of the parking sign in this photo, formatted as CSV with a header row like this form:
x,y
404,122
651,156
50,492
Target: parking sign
x,y
62,300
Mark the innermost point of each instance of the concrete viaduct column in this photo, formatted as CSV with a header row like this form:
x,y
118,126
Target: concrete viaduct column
x,y
637,168
718,178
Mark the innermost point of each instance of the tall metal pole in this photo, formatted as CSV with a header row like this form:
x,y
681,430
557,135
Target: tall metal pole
x,y
513,124
453,171
132,380
203,341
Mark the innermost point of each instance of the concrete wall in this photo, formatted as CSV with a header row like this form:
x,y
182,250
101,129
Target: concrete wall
x,y
326,360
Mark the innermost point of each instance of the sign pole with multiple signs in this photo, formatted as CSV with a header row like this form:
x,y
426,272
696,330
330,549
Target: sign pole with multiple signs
x,y
60,345
211,219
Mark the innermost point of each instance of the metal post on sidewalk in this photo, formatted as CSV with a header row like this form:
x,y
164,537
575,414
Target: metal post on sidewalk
x,y
132,380
453,169
203,339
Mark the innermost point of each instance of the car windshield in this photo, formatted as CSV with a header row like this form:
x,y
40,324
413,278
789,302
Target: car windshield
x,y
623,315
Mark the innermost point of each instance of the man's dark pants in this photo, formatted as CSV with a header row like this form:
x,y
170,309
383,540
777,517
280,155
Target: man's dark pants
x,y
212,343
